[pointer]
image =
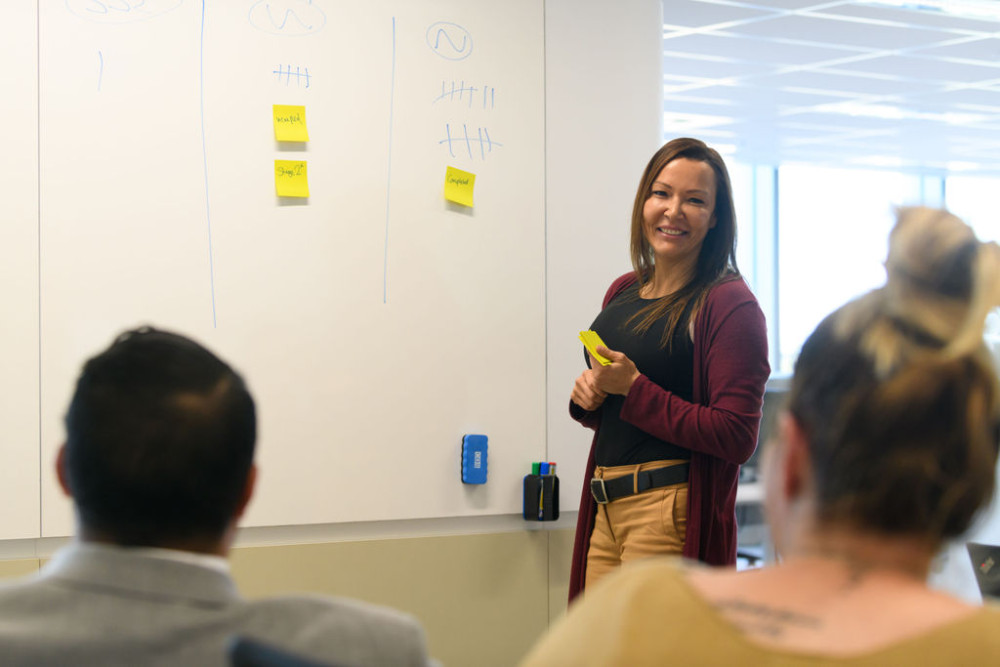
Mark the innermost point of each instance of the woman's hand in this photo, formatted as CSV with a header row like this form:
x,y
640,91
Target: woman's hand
x,y
585,392
616,378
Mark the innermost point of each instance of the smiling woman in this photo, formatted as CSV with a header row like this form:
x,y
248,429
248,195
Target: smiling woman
x,y
677,410
677,215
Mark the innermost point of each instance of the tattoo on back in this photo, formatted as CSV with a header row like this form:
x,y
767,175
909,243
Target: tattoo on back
x,y
755,618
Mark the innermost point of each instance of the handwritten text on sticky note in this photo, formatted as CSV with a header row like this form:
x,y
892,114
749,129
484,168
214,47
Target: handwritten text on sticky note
x,y
290,123
458,186
291,178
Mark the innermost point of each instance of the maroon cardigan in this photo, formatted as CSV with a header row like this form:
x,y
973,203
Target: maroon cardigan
x,y
719,427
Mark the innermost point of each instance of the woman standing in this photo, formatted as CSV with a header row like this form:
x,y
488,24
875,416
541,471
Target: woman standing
x,y
677,410
887,449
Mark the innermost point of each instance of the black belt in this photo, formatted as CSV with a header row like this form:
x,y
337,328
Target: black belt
x,y
606,490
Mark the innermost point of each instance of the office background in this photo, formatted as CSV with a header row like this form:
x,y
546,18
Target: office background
x,y
598,85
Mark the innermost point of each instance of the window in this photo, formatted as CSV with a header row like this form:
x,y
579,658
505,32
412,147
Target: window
x,y
973,198
833,227
812,237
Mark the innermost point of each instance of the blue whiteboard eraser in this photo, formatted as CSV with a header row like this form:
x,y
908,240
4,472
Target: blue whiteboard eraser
x,y
474,450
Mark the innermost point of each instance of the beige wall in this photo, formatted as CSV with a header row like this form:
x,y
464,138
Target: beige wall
x,y
12,569
483,599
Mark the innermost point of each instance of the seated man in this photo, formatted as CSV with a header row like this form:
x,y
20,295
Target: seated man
x,y
159,463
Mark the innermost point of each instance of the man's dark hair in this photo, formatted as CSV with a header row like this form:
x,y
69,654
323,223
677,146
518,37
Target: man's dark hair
x,y
160,441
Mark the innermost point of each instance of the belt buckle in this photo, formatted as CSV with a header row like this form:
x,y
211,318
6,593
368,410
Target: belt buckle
x,y
597,487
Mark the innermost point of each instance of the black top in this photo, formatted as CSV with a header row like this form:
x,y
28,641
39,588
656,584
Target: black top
x,y
619,442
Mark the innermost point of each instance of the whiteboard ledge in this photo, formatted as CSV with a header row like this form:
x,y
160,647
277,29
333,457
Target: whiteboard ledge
x,y
262,536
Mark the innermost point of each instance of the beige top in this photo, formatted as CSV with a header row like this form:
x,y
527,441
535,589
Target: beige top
x,y
648,614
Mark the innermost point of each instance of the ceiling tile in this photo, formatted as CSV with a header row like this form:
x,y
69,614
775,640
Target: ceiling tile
x,y
835,82
815,30
913,17
973,97
944,103
695,102
764,102
722,45
793,5
985,49
696,14
846,82
924,69
680,64
845,123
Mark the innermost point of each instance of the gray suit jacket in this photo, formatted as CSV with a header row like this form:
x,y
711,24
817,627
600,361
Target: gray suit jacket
x,y
100,605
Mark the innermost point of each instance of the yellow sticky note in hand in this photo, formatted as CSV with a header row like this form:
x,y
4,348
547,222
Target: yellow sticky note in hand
x,y
458,186
290,123
291,178
591,340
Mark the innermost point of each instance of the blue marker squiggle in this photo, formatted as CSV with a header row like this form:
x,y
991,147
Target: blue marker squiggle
x,y
293,18
449,40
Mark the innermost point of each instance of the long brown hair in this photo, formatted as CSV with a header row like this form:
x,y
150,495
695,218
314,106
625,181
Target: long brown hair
x,y
717,258
897,394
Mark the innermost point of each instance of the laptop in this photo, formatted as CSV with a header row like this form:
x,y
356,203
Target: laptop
x,y
986,564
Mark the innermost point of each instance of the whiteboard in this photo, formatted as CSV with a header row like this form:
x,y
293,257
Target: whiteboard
x,y
616,82
375,322
19,462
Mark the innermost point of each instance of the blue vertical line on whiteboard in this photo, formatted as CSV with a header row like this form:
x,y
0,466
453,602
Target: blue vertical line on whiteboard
x,y
545,261
388,169
100,70
447,131
38,192
204,159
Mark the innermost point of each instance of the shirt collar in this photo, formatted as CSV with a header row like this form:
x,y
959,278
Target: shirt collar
x,y
208,561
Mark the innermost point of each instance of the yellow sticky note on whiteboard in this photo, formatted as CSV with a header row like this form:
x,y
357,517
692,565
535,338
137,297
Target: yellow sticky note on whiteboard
x,y
591,340
291,178
290,123
458,186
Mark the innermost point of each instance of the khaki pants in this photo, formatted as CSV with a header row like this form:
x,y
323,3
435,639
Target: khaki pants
x,y
650,523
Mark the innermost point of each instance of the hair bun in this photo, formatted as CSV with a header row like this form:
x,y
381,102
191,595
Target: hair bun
x,y
896,392
941,280
930,250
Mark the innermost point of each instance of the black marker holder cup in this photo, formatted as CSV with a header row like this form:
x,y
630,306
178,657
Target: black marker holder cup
x,y
541,497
